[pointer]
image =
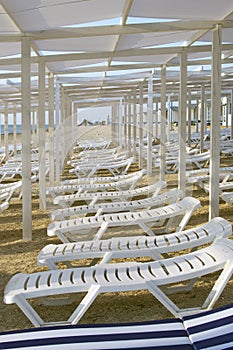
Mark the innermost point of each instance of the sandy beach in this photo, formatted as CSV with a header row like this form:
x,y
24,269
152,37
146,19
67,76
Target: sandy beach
x,y
20,256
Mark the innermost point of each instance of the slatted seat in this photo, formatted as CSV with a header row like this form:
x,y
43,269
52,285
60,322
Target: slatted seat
x,y
124,184
123,277
101,179
112,207
137,246
114,168
145,219
223,186
97,159
227,197
66,201
199,160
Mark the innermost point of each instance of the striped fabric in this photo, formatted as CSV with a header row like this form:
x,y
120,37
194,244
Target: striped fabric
x,y
151,335
212,330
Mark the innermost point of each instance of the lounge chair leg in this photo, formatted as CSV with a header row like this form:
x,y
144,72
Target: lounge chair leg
x,y
101,231
28,310
219,286
163,299
84,304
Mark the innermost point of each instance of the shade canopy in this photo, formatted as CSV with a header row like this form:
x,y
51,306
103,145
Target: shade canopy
x,y
107,40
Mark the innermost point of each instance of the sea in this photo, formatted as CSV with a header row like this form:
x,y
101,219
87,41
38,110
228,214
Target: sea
x,y
18,129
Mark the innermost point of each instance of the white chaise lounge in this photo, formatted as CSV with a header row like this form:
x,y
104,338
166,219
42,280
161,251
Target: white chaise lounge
x,y
68,200
158,200
174,216
134,246
156,277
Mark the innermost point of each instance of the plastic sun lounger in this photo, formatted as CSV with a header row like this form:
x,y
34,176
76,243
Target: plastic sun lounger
x,y
4,204
201,179
97,159
114,168
91,198
156,277
112,207
200,160
95,153
174,216
102,179
223,186
10,188
134,246
207,330
124,184
227,197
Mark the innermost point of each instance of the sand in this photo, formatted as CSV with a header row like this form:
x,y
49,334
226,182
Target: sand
x,y
20,256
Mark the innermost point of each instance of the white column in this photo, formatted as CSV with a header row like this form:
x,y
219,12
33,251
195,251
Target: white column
x,y
117,111
14,127
149,125
57,132
34,127
169,118
51,128
232,114
134,123
182,121
114,124
129,123
197,115
227,112
125,122
141,126
6,130
120,122
189,116
163,124
215,123
41,135
26,138
62,128
202,118
66,127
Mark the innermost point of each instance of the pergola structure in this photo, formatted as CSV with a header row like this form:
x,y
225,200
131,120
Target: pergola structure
x,y
63,55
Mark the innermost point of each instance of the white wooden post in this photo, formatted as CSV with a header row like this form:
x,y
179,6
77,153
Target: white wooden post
x,y
215,123
41,135
125,123
149,125
163,123
232,114
114,123
14,128
57,131
6,130
120,122
182,121
26,138
51,128
129,124
202,118
189,116
141,126
134,123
